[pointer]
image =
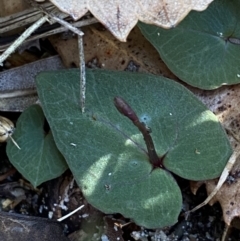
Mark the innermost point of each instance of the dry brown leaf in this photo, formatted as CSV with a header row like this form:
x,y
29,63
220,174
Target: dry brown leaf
x,y
225,103
228,197
102,50
120,16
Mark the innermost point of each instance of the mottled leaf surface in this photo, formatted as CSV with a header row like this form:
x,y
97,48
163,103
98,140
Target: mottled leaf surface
x,y
107,154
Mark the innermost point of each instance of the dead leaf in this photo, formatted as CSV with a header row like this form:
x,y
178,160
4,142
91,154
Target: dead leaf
x,y
228,197
120,16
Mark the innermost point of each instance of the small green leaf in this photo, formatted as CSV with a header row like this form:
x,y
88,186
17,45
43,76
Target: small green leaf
x,y
107,153
39,159
200,50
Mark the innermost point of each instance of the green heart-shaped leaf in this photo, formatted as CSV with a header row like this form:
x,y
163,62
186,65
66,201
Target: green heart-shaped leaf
x,y
107,153
200,50
39,159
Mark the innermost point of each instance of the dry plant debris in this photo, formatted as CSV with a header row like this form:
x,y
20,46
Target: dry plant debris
x,y
119,17
104,51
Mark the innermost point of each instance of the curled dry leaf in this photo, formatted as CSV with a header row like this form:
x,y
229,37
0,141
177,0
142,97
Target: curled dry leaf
x,y
6,128
224,102
119,17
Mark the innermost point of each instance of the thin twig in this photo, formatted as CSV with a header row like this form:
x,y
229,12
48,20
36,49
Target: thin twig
x,y
17,93
69,214
225,233
82,74
80,47
23,18
15,143
21,39
65,24
78,24
57,19
81,53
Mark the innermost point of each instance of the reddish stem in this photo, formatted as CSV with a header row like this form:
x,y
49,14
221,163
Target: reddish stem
x,y
127,111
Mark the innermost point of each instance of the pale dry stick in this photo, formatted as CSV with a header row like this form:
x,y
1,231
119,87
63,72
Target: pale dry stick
x,y
82,74
225,232
21,39
78,24
70,214
57,19
15,143
121,225
23,18
221,180
81,57
17,93
81,54
65,24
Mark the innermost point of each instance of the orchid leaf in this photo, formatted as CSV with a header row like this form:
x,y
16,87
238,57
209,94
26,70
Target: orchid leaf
x,y
107,153
38,160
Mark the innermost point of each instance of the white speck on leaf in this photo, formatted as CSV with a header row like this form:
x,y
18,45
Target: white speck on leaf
x,y
197,151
